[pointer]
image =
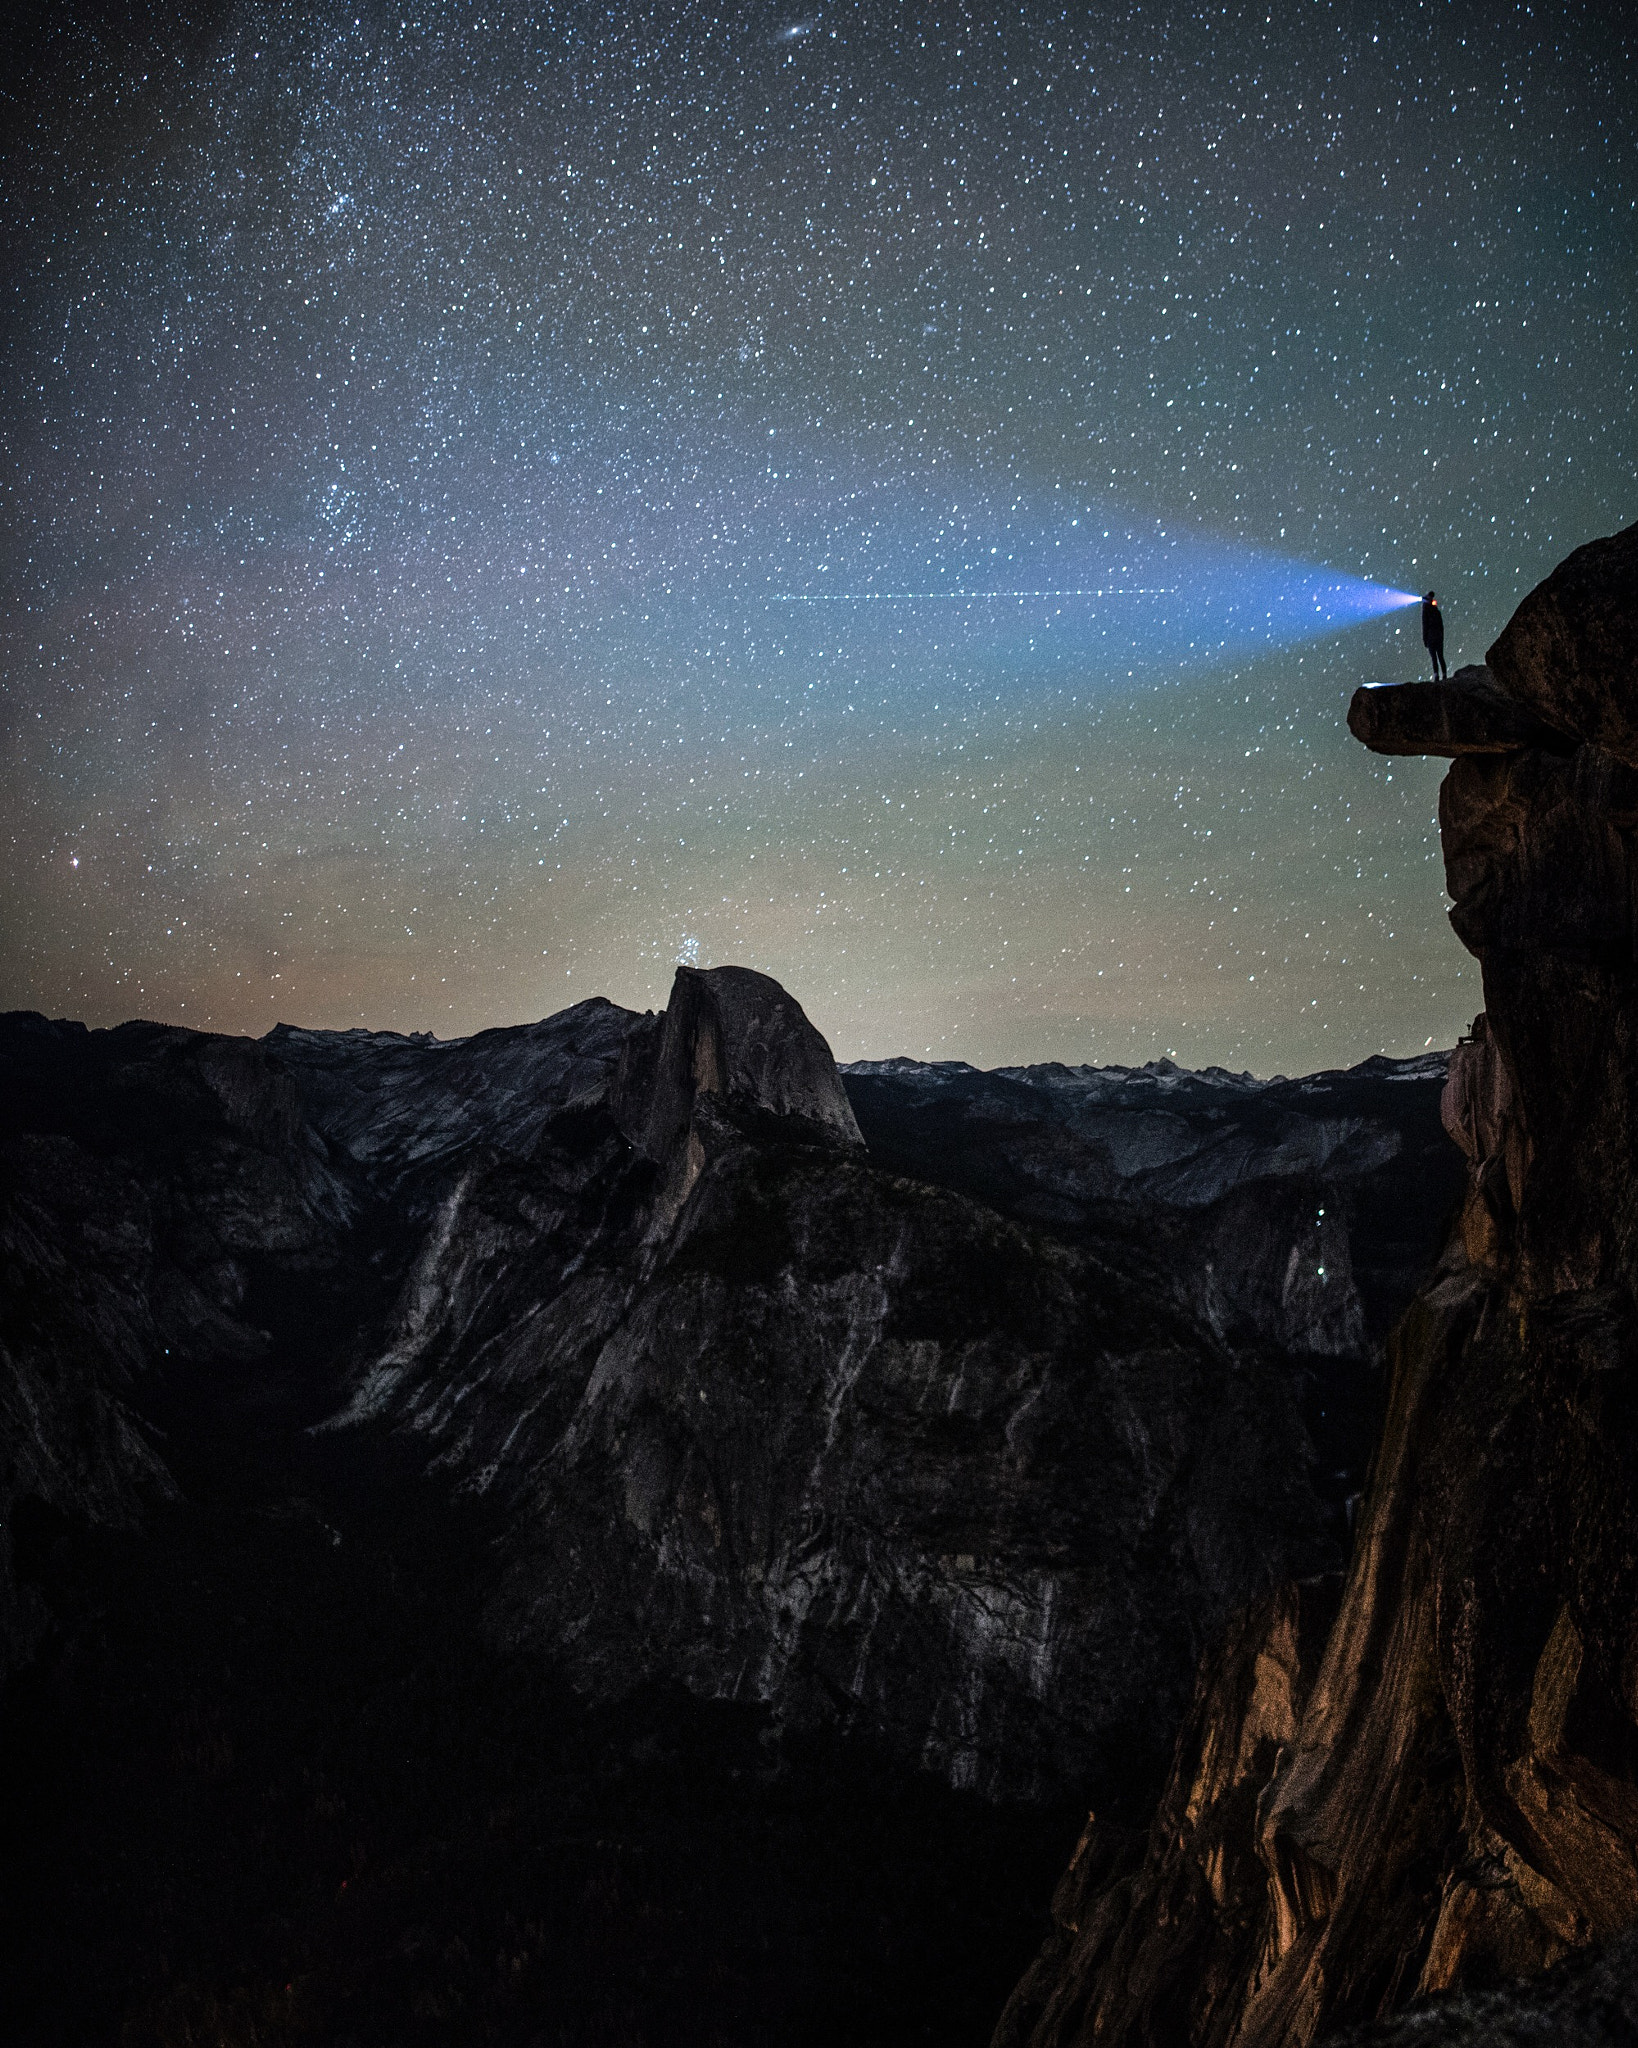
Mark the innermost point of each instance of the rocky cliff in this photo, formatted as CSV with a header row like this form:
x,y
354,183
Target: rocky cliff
x,y
619,1504
1437,1789
1293,1213
970,1435
763,1414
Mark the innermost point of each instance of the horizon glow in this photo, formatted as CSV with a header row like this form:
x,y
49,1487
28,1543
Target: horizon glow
x,y
499,504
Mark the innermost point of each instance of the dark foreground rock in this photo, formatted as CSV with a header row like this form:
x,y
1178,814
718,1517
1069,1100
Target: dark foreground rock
x,y
1446,1794
1588,2001
149,1178
1570,651
1468,714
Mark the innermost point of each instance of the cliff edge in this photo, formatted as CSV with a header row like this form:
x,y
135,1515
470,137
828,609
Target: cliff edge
x,y
1437,1788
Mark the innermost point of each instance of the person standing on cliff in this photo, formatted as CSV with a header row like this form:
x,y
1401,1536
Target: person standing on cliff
x,y
1433,635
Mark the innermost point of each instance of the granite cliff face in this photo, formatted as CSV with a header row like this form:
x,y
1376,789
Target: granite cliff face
x,y
967,1438
764,1416
618,1510
1437,1790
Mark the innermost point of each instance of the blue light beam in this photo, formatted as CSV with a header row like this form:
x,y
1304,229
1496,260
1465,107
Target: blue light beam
x,y
1138,595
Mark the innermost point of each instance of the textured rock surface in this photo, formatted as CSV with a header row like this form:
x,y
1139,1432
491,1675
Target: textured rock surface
x,y
1453,1800
407,1108
1588,2001
1140,1931
969,1440
734,1036
767,1417
1570,651
1468,714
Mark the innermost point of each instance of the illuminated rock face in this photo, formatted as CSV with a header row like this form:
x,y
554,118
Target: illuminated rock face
x,y
1446,1794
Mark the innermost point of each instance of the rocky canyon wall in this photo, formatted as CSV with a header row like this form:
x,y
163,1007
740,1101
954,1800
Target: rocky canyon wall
x,y
957,1410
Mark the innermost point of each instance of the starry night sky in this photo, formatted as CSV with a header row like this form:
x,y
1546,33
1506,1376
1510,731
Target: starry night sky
x,y
500,500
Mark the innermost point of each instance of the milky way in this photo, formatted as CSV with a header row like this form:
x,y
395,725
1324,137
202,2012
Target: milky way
x,y
499,501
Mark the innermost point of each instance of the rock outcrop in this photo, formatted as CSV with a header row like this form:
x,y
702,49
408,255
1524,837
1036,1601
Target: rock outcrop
x,y
1446,1796
1590,2000
1467,714
1570,651
732,1041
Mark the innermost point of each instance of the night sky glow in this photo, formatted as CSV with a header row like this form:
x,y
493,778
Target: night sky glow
x,y
500,500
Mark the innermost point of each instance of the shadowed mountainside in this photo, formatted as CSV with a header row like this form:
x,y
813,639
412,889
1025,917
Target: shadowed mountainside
x,y
781,1459
971,1436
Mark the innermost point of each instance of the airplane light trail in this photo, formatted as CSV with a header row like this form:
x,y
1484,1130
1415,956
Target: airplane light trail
x,y
1224,599
967,596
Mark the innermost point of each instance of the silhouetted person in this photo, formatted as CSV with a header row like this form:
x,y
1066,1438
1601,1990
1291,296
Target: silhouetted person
x,y
1433,635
